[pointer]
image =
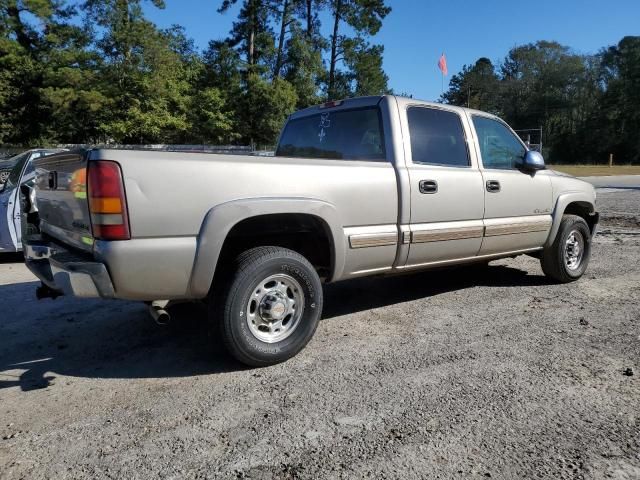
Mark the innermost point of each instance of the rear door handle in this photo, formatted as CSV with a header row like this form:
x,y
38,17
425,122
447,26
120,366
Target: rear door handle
x,y
428,186
493,186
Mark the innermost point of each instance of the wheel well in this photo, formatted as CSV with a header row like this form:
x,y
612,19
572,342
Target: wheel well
x,y
584,210
306,234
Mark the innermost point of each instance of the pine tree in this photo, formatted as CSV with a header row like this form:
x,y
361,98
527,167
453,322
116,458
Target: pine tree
x,y
365,17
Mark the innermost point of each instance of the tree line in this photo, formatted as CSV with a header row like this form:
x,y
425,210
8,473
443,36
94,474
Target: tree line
x,y
587,105
95,71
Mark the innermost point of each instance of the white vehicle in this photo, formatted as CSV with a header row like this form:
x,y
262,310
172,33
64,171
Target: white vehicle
x,y
22,172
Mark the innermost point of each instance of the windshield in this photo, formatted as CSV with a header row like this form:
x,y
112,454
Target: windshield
x,y
14,176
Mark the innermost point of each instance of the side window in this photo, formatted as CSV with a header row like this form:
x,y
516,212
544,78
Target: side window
x,y
437,137
499,147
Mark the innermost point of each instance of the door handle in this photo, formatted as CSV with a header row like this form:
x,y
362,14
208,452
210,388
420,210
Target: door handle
x,y
493,186
428,186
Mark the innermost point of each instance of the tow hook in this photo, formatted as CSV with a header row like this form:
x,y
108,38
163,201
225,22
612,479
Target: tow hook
x,y
44,291
158,312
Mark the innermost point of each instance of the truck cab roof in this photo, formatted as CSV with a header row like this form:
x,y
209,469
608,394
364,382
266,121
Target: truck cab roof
x,y
363,102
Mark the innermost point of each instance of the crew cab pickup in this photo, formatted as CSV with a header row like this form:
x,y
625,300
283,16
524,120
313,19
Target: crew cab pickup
x,y
366,186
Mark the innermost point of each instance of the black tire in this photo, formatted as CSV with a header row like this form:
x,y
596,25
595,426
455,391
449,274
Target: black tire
x,y
554,264
229,307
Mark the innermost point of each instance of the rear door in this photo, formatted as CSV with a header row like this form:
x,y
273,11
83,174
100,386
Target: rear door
x,y
447,196
517,204
351,134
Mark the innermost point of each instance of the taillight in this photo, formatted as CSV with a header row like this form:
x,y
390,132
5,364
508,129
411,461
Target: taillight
x,y
107,201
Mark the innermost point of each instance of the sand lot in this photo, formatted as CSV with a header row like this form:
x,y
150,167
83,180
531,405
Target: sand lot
x,y
463,373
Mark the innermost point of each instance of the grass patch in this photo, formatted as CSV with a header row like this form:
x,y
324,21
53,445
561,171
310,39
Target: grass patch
x,y
596,170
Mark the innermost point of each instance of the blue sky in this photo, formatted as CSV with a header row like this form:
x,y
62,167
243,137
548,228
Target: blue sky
x,y
416,32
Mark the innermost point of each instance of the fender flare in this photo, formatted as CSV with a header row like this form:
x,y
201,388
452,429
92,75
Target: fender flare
x,y
561,205
219,221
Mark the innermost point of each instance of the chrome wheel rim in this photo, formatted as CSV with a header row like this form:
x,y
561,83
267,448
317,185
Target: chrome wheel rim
x,y
574,250
275,308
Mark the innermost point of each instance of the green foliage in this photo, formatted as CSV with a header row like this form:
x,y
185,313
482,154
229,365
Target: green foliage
x,y
368,75
88,71
118,78
476,86
146,75
587,105
212,120
620,105
365,18
263,109
303,67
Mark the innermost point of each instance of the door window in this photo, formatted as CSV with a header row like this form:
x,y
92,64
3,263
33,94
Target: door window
x,y
499,147
437,137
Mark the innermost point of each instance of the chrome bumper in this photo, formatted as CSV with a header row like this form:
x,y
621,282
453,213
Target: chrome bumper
x,y
67,272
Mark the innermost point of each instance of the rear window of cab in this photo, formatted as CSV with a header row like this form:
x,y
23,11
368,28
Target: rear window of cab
x,y
337,135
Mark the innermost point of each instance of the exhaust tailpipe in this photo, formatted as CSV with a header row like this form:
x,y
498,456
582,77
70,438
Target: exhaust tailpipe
x,y
158,312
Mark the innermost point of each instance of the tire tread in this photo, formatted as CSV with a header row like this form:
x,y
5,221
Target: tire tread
x,y
552,258
245,265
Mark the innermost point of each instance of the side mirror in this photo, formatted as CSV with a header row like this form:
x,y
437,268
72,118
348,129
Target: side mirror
x,y
533,161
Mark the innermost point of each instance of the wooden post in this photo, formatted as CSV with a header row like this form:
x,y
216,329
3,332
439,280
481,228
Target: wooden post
x,y
610,160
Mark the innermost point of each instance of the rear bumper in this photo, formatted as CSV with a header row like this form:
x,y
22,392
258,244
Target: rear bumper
x,y
67,272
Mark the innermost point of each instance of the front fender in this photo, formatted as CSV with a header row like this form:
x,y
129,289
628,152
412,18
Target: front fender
x,y
219,221
562,202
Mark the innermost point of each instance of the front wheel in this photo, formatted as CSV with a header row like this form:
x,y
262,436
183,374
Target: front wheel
x,y
566,259
270,307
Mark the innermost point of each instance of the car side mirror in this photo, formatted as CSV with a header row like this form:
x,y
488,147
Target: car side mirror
x,y
533,161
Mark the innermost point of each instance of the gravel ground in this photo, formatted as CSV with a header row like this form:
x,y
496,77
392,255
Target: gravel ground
x,y
449,374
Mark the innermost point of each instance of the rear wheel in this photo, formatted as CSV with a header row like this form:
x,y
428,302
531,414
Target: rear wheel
x,y
567,258
270,307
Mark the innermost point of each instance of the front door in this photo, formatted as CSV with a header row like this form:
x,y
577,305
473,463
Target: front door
x,y
27,177
447,196
517,204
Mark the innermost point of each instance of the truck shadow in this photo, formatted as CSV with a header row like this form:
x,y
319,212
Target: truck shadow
x,y
100,339
116,339
11,258
366,293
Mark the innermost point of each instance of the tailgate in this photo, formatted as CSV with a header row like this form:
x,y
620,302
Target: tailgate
x,y
61,198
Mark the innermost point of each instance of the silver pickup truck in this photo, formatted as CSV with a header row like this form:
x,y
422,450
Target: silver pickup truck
x,y
367,186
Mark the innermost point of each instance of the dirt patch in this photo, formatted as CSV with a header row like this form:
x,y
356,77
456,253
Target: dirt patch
x,y
620,220
463,373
